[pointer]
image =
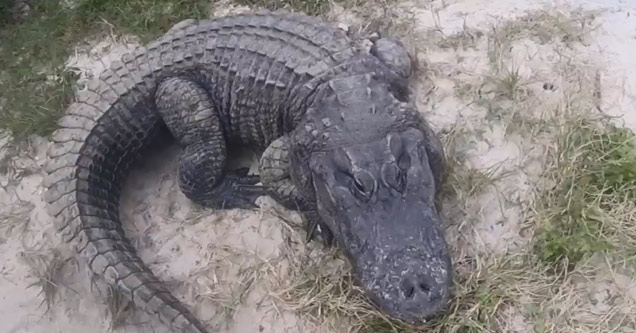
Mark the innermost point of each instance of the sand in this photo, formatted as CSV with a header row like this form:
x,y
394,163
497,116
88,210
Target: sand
x,y
210,258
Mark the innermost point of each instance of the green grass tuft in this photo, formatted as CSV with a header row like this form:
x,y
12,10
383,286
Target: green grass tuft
x,y
34,88
590,208
5,14
146,19
311,7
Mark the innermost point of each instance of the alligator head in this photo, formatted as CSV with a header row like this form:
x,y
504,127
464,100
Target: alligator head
x,y
361,155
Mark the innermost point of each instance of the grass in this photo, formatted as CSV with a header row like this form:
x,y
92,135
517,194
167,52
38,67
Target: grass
x,y
376,15
119,308
5,13
310,7
590,208
543,26
549,25
326,293
509,85
33,83
15,221
46,269
227,276
505,91
144,18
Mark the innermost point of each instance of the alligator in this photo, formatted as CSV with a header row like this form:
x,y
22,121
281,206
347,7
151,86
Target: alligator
x,y
343,143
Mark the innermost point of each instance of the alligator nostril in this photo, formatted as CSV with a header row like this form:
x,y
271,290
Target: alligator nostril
x,y
416,288
408,289
411,288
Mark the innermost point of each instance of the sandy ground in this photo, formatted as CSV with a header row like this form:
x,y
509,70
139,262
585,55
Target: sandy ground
x,y
226,265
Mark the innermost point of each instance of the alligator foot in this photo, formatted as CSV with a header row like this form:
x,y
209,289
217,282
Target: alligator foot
x,y
274,173
235,190
189,113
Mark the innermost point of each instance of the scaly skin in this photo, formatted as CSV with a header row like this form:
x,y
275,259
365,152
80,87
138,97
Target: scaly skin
x,y
255,79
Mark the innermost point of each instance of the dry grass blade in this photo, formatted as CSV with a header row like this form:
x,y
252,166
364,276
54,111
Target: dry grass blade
x,y
310,7
46,268
15,220
119,308
544,26
227,277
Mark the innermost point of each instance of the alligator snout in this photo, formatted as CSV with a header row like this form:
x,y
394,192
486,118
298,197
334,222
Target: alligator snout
x,y
410,289
422,296
401,260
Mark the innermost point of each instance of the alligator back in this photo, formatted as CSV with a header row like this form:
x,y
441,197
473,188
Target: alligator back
x,y
255,67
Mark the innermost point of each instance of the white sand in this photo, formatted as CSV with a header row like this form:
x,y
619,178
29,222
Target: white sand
x,y
203,254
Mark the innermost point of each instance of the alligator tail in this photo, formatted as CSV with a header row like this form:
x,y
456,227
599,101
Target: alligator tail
x,y
102,134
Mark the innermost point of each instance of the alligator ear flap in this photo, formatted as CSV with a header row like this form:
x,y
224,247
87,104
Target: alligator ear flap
x,y
394,55
399,153
341,159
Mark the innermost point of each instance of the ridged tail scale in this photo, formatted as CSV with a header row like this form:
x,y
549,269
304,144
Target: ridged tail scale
x,y
106,130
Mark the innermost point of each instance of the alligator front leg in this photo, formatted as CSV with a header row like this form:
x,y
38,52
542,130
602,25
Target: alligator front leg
x,y
189,114
274,173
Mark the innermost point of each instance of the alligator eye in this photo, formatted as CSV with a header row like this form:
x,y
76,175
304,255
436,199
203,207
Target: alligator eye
x,y
358,184
394,177
363,186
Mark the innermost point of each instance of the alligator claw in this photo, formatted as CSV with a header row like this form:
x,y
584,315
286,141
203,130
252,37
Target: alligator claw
x,y
312,225
325,234
240,176
243,196
236,191
241,172
238,202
